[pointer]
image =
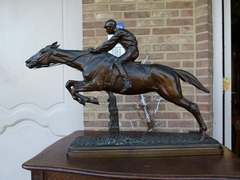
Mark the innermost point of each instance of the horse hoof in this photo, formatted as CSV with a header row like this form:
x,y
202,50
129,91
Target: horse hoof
x,y
81,102
75,98
95,101
203,138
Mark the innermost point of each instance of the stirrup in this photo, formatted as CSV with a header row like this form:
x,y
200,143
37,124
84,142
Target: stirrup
x,y
127,84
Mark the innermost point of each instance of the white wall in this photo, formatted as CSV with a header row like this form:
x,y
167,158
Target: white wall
x,y
35,107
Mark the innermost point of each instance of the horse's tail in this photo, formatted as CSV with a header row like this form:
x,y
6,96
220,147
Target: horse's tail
x,y
188,77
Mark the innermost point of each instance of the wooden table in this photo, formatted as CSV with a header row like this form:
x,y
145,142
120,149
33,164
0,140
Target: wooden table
x,y
53,164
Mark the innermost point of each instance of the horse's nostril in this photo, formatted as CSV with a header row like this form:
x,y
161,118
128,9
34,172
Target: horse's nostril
x,y
28,61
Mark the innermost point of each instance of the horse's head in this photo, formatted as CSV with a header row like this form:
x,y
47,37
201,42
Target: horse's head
x,y
41,58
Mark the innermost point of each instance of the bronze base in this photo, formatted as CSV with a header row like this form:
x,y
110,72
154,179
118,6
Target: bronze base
x,y
165,144
143,151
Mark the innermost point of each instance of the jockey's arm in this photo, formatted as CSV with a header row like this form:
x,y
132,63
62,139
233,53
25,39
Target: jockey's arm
x,y
108,45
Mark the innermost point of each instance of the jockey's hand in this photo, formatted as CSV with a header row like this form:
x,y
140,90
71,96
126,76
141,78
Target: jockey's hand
x,y
92,50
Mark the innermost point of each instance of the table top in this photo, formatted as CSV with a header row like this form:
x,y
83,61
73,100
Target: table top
x,y
54,158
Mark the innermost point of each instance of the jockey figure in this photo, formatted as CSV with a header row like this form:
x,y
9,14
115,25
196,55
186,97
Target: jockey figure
x,y
129,43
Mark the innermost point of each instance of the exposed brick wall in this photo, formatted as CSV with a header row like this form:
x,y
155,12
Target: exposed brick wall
x,y
174,33
203,30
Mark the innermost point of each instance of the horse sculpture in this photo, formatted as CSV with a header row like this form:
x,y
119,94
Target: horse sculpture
x,y
99,74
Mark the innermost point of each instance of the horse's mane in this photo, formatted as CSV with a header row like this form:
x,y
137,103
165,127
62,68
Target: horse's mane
x,y
73,54
69,54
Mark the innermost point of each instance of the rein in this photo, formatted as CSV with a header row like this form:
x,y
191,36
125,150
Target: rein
x,y
66,62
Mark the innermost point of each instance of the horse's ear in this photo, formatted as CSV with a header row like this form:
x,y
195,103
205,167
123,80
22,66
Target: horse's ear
x,y
55,45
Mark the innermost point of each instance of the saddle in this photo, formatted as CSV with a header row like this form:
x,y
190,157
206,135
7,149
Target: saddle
x,y
138,67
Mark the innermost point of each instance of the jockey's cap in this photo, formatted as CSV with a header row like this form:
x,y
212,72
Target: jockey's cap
x,y
110,23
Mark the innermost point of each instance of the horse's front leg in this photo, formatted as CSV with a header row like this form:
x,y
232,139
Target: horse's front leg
x,y
71,87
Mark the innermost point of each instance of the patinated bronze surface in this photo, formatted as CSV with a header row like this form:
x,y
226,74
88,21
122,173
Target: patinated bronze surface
x,y
99,74
113,125
141,139
149,144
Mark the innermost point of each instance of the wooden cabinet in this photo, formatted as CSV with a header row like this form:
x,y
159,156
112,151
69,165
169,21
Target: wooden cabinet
x,y
53,164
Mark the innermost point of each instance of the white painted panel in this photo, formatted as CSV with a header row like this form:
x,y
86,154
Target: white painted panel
x,y
35,107
222,111
217,70
22,141
227,74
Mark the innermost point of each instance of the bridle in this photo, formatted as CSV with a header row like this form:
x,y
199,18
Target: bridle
x,y
47,63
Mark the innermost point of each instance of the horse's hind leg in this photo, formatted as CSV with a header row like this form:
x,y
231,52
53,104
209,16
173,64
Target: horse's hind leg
x,y
191,107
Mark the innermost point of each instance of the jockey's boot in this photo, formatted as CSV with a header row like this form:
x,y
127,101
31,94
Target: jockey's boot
x,y
127,84
123,74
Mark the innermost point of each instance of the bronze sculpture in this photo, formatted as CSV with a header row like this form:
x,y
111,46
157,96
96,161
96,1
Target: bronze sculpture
x,y
129,43
99,74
